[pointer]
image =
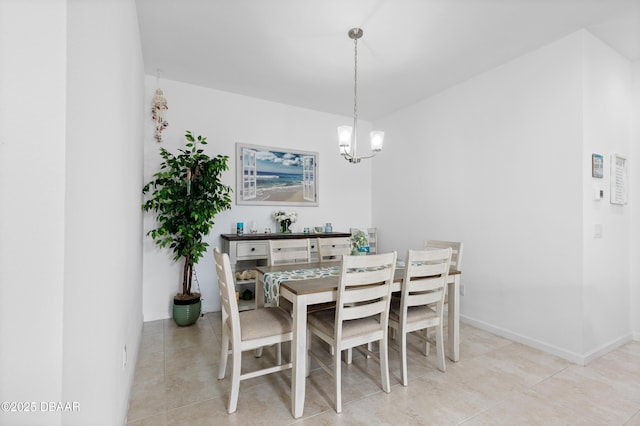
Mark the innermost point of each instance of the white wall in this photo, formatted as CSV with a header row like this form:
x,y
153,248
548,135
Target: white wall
x,y
103,250
226,118
606,130
70,173
634,203
498,163
32,185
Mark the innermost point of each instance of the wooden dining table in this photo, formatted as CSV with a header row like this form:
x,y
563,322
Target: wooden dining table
x,y
303,293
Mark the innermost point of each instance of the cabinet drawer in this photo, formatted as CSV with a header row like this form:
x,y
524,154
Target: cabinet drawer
x,y
252,249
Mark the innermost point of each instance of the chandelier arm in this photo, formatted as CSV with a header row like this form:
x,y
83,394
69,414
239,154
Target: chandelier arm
x,y
368,156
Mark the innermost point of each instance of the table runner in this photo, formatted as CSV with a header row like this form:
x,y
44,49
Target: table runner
x,y
272,280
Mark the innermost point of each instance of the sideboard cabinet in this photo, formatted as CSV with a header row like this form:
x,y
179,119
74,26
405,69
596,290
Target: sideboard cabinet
x,y
250,250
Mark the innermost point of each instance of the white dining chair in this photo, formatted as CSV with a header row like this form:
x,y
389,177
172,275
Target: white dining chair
x,y
456,250
373,240
361,315
245,331
286,252
456,256
421,302
332,249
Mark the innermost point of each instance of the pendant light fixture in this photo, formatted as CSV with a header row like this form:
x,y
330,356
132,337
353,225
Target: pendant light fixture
x,y
348,135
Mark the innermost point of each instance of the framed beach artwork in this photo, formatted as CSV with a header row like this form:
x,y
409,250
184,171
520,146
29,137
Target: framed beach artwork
x,y
597,166
276,176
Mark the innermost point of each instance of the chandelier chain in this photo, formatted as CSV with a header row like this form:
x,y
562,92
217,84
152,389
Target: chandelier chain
x,y
355,86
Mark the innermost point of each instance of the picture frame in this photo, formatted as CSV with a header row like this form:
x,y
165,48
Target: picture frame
x,y
271,176
597,166
619,179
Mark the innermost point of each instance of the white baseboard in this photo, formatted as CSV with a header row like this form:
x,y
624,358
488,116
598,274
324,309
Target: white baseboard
x,y
208,307
607,347
580,359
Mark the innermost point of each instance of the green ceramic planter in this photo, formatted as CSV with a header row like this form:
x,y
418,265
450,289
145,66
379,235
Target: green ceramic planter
x,y
186,314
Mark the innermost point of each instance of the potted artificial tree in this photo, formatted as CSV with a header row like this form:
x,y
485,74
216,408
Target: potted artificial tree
x,y
185,196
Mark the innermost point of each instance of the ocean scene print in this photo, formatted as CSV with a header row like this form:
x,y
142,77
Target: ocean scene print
x,y
280,176
279,187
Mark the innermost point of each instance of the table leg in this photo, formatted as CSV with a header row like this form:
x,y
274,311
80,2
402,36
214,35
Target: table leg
x,y
298,357
259,291
259,300
454,318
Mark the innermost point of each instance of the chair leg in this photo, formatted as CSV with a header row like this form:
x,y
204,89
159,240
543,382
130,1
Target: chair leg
x,y
224,355
403,357
308,366
369,348
384,364
440,348
235,380
337,372
426,342
348,356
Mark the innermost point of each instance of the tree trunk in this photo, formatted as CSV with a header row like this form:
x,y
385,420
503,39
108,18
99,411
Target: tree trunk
x,y
186,276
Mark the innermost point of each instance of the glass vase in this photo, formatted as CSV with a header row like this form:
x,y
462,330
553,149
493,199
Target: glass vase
x,y
285,227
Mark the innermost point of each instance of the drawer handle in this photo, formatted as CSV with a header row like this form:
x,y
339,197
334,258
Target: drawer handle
x,y
253,249
313,246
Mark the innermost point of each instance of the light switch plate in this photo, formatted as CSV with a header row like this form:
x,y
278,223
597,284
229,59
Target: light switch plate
x,y
597,230
598,194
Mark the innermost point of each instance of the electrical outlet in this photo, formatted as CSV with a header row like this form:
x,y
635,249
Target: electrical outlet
x,y
462,290
124,357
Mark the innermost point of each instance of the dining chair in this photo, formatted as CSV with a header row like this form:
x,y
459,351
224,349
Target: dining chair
x,y
421,302
245,331
373,240
332,249
361,315
456,253
286,252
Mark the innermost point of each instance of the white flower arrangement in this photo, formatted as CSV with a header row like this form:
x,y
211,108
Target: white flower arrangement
x,y
285,219
281,215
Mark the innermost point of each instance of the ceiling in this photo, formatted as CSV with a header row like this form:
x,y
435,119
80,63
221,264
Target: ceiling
x,y
297,52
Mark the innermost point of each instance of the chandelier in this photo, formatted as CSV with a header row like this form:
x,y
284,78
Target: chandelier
x,y
347,135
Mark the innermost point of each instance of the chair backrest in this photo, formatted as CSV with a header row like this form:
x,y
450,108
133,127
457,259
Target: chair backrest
x,y
365,290
372,237
456,254
286,252
331,249
373,240
226,285
425,278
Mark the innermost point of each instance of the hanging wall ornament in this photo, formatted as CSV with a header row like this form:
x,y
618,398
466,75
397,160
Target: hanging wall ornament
x,y
158,107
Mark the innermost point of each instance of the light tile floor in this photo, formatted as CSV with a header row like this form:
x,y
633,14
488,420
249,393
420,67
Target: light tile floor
x,y
496,381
